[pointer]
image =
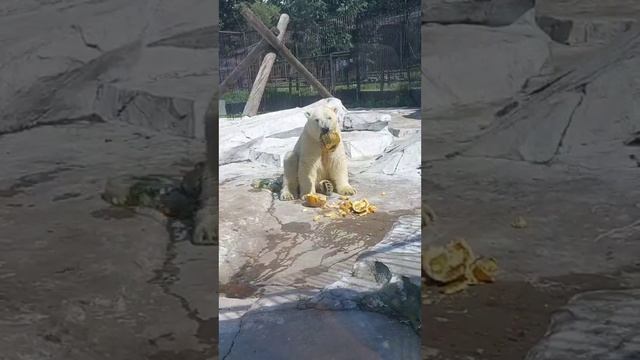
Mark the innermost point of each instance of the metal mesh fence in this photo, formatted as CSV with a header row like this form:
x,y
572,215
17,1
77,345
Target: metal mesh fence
x,y
374,62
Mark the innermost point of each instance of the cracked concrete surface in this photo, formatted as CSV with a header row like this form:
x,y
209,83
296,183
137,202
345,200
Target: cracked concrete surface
x,y
54,59
84,280
80,278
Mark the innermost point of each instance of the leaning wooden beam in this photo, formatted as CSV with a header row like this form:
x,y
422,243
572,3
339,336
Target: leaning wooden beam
x,y
255,97
239,70
282,49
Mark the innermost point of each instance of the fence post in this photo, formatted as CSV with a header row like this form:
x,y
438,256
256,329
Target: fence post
x,y
357,57
332,72
255,97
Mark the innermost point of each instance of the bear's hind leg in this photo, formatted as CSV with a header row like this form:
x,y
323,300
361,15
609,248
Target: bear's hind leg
x,y
290,179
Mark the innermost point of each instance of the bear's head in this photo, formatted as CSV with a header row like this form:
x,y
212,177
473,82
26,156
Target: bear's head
x,y
322,120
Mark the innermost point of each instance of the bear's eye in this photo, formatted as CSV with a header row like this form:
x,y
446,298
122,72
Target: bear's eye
x,y
317,120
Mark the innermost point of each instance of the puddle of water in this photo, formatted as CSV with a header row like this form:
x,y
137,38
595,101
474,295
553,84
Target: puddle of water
x,y
238,289
335,237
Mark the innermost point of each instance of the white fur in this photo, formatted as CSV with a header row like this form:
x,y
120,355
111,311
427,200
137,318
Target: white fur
x,y
308,163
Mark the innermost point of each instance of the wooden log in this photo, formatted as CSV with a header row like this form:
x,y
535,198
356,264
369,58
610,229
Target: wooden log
x,y
282,49
257,91
253,55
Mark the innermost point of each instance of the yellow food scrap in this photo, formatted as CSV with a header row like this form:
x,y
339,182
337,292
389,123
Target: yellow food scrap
x,y
461,247
330,140
317,218
443,265
455,267
454,287
346,206
484,270
315,200
519,223
360,206
341,208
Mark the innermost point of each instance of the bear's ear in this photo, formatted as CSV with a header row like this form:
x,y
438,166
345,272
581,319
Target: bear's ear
x,y
334,109
307,114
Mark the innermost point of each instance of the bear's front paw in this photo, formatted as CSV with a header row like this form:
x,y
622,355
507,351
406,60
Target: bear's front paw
x,y
206,227
286,195
346,190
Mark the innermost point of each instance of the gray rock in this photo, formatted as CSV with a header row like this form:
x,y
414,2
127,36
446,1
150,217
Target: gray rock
x,y
170,96
363,145
399,252
271,151
365,120
481,12
400,158
588,22
451,69
582,116
404,127
603,325
55,58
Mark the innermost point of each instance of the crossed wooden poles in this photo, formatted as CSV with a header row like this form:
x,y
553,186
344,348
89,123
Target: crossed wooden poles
x,y
269,40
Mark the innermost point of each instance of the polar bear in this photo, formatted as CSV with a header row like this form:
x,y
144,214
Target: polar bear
x,y
313,164
206,220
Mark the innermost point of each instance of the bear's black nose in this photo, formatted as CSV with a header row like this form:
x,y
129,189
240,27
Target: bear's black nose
x,y
324,130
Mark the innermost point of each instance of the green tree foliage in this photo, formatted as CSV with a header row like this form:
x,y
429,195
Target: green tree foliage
x,y
310,19
231,20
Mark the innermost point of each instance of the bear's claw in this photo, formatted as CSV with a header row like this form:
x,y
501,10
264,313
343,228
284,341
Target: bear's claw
x,y
206,229
286,196
347,190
